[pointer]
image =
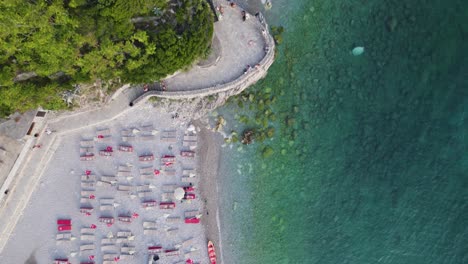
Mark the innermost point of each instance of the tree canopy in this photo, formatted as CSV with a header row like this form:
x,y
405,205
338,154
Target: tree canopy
x,y
55,43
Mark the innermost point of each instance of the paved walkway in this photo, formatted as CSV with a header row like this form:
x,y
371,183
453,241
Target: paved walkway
x,y
242,44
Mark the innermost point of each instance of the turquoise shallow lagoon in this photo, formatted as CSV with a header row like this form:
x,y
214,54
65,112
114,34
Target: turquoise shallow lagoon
x,y
373,166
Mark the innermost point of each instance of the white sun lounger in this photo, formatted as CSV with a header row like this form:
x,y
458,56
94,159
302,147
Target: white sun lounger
x,y
147,137
124,237
87,178
127,250
110,257
87,230
106,201
108,178
87,193
104,131
149,224
89,237
124,173
169,172
145,194
121,240
124,168
129,139
169,139
187,179
106,207
189,172
84,200
126,256
87,184
150,232
125,188
87,149
107,241
105,183
173,219
111,248
143,188
63,236
148,176
169,187
124,234
171,133
87,247
87,143
146,170
190,137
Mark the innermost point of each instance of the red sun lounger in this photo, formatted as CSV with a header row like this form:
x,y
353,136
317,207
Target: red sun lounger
x,y
167,205
64,228
189,189
192,220
86,210
146,157
125,219
154,249
148,204
189,196
107,220
61,261
123,148
105,153
64,222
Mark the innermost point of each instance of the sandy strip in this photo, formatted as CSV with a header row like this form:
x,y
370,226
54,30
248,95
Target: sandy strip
x,y
209,159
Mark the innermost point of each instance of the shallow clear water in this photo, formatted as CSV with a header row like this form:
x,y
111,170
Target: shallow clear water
x,y
374,167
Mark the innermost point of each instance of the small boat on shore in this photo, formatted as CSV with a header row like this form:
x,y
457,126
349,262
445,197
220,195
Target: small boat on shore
x,y
211,252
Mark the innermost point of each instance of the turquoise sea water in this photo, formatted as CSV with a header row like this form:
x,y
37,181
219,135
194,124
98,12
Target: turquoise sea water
x,y
374,166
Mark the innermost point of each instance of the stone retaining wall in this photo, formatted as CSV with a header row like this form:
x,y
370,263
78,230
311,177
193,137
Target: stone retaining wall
x,y
231,88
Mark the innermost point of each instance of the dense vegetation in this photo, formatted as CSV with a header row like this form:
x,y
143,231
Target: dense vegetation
x,y
46,45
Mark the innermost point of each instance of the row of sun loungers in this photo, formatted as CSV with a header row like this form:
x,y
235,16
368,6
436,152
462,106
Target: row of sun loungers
x,y
120,247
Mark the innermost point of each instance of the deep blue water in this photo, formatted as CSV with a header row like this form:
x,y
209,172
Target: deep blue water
x,y
372,166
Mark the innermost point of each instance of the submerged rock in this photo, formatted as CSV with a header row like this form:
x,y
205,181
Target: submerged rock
x,y
248,136
267,152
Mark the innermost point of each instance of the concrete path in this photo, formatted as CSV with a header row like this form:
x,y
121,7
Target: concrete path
x,y
242,44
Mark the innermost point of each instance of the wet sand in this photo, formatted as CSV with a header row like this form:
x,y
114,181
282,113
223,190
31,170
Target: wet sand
x,y
209,159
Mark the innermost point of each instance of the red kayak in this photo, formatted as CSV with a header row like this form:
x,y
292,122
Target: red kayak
x,y
211,252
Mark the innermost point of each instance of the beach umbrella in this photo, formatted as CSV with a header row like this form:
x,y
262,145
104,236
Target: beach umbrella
x,y
179,193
